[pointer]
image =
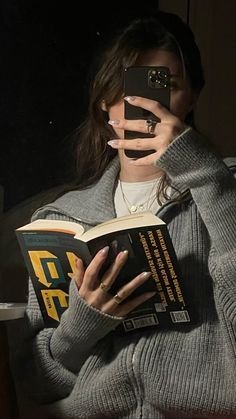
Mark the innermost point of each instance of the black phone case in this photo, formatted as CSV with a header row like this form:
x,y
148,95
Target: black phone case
x,y
137,82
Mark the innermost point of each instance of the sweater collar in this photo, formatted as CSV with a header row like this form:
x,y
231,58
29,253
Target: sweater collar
x,y
95,204
92,205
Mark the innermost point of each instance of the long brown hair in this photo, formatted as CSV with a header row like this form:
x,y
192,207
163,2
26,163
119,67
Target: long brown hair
x,y
165,31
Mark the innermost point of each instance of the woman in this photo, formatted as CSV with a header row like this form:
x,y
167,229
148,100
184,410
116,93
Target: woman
x,y
82,369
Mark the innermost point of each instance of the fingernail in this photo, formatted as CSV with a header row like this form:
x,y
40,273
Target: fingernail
x,y
113,142
130,98
114,122
122,254
145,274
104,251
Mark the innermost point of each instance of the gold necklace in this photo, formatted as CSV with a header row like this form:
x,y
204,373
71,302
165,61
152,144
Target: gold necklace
x,y
132,208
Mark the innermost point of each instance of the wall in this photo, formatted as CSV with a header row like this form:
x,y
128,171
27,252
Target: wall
x,y
46,49
213,23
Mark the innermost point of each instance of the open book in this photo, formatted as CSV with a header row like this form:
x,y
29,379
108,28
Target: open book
x,y
50,248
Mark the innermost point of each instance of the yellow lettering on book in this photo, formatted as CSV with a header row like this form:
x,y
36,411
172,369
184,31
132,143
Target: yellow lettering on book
x,y
165,277
170,294
169,264
178,291
71,258
152,239
172,272
151,264
48,268
145,246
158,259
55,301
161,239
52,270
40,259
154,271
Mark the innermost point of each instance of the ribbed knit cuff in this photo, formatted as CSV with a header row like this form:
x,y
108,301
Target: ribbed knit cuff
x,y
189,160
80,328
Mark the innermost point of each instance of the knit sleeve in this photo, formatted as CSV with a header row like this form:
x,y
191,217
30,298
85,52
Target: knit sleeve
x,y
47,360
190,161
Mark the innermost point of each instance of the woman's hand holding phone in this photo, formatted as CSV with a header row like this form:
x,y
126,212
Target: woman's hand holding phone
x,y
164,132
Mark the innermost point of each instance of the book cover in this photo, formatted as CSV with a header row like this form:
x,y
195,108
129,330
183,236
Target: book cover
x,y
50,249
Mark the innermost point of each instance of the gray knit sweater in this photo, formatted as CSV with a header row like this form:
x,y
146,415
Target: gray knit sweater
x,y
82,369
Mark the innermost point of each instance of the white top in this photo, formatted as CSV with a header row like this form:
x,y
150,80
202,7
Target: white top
x,y
141,195
136,196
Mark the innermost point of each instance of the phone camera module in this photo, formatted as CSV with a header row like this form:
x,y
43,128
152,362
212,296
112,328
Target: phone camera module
x,y
157,79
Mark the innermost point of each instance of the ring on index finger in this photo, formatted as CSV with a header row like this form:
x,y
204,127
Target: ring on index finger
x,y
151,125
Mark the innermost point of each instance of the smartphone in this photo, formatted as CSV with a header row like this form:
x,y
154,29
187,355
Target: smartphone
x,y
150,82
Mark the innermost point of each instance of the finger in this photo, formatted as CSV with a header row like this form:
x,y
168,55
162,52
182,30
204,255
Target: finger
x,y
111,274
79,272
137,125
130,305
111,305
150,105
132,285
136,144
93,269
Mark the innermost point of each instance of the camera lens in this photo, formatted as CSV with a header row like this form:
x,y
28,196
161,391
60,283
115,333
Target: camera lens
x,y
161,75
162,83
154,79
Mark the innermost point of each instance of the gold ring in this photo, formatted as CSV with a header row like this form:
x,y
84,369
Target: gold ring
x,y
117,299
104,287
151,125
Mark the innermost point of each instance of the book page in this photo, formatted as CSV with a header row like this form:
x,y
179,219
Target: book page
x,y
54,225
121,223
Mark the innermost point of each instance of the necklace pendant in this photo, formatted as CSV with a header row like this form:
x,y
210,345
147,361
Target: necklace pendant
x,y
133,208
